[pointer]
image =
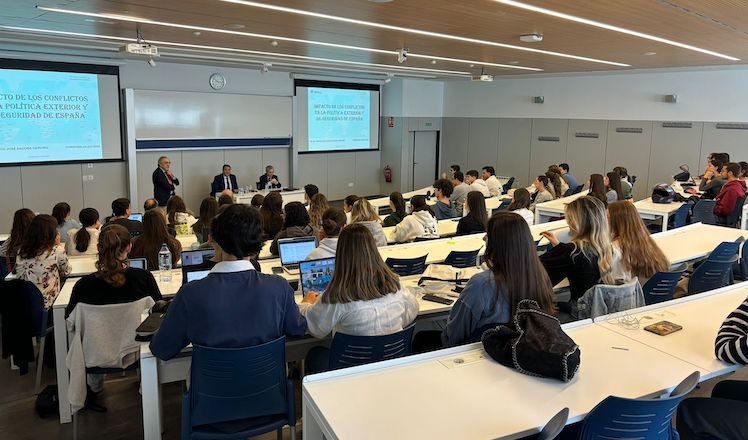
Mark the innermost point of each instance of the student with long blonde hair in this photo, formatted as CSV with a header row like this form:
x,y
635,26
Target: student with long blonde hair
x,y
365,214
317,206
588,259
639,255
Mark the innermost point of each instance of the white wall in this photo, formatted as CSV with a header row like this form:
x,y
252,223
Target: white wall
x,y
423,98
703,95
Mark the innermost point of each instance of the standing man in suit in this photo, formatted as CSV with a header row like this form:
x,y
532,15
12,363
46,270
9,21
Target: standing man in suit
x,y
164,181
269,178
224,181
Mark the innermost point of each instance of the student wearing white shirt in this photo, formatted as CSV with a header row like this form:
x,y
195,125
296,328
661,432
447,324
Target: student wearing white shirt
x,y
84,241
493,184
476,184
421,223
364,297
521,205
333,222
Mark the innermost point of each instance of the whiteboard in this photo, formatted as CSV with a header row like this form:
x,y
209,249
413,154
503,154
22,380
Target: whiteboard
x,y
195,115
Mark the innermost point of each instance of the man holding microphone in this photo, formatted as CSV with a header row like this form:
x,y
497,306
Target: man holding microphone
x,y
164,182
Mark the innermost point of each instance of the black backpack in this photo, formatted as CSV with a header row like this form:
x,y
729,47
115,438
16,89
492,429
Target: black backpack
x,y
46,402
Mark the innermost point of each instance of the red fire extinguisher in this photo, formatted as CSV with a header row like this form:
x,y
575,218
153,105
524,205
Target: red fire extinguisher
x,y
388,174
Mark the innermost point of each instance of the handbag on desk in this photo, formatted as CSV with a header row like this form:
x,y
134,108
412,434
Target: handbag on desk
x,y
533,344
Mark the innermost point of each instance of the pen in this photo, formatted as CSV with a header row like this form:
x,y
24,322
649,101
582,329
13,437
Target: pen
x,y
620,348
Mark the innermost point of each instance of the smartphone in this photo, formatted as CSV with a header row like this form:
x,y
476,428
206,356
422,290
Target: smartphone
x,y
663,328
278,270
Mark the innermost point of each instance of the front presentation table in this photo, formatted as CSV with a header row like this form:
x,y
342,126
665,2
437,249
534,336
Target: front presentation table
x,y
296,195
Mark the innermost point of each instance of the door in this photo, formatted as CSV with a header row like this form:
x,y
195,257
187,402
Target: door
x,y
425,158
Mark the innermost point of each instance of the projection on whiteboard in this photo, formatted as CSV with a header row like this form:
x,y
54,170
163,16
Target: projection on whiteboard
x,y
51,116
339,118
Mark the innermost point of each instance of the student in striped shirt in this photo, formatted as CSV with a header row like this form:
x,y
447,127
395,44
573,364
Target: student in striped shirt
x,y
722,416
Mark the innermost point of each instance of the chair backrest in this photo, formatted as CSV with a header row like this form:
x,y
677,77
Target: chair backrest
x,y
508,185
602,299
503,205
554,426
710,275
661,287
28,296
703,212
725,250
733,219
743,265
237,383
349,351
425,239
462,258
644,419
681,216
6,265
578,189
407,266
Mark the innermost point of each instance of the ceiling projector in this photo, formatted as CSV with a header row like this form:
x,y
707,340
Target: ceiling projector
x,y
143,49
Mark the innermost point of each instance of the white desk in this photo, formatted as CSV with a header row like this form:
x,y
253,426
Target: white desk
x,y
383,202
296,195
700,315
694,241
555,208
446,228
649,210
4,237
480,399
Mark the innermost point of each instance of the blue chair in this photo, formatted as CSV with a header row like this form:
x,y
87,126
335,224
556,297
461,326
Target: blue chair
x,y
680,218
554,426
503,206
742,265
349,351
703,212
407,266
725,250
643,419
462,259
508,185
237,393
733,220
661,287
710,275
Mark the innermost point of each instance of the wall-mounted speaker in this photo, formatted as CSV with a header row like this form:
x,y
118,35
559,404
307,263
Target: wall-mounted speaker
x,y
670,99
538,99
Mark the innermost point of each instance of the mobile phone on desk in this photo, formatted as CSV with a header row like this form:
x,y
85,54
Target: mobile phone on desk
x,y
663,328
437,299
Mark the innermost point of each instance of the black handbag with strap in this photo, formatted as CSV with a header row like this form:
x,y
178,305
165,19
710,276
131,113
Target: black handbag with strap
x,y
533,344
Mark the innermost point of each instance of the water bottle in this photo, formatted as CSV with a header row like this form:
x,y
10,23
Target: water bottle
x,y
164,264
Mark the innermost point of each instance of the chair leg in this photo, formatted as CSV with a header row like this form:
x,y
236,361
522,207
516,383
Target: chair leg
x,y
293,432
75,426
40,363
279,434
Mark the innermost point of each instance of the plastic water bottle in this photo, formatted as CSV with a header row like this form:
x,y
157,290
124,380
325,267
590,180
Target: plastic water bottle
x,y
164,264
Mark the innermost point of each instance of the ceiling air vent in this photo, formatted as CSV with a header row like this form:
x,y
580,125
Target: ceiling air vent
x,y
629,130
587,135
732,126
677,125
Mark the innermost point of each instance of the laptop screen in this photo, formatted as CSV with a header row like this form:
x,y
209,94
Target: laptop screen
x,y
193,275
315,275
137,263
136,216
294,250
196,258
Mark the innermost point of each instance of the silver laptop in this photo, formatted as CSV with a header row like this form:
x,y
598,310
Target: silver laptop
x,y
292,251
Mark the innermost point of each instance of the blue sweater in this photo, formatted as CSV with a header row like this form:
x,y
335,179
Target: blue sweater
x,y
443,211
233,307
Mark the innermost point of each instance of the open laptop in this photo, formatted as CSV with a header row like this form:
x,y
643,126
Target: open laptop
x,y
294,250
193,273
137,216
315,275
137,263
197,257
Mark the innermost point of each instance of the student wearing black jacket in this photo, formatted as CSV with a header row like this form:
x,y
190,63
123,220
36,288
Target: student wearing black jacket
x,y
476,217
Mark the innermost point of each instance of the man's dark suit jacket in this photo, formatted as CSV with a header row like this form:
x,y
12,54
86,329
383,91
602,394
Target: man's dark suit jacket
x,y
218,184
162,189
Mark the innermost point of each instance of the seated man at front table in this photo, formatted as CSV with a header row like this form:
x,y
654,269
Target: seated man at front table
x,y
269,179
223,181
121,216
234,306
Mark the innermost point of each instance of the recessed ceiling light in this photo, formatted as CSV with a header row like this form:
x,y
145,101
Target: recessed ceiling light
x,y
275,37
472,65
609,27
197,33
433,61
235,26
513,62
274,43
419,31
381,1
649,54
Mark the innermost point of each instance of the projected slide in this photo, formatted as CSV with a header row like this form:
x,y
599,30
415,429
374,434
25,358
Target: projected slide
x,y
338,119
49,116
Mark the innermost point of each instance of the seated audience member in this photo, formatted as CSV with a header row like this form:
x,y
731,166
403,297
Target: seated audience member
x,y
493,184
556,185
333,222
521,205
257,201
295,224
639,255
568,177
732,191
272,215
476,184
226,198
177,212
365,214
348,206
443,208
514,273
21,222
588,259
713,180
614,191
234,306
476,215
556,170
84,240
421,223
453,169
744,172
120,216
309,192
626,185
723,416
150,204
597,188
40,258
541,194
201,227
459,193
155,234
397,206
364,297
269,179
317,206
61,213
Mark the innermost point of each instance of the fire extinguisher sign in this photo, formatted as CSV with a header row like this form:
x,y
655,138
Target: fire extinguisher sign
x,y
391,122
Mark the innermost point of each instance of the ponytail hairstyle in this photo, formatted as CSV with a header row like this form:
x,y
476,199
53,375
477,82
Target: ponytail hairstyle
x,y
418,203
333,221
88,218
60,212
110,267
556,182
614,183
